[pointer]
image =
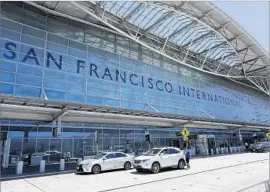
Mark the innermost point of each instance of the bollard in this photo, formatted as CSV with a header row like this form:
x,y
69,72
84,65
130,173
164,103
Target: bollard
x,y
42,166
230,149
239,149
217,151
19,168
62,164
222,150
226,150
212,151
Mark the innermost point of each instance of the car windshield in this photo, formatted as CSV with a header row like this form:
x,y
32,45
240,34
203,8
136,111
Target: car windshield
x,y
98,156
152,152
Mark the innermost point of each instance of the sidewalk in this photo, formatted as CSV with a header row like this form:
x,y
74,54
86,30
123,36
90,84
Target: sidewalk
x,y
33,171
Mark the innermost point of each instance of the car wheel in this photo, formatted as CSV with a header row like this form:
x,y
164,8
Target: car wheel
x,y
155,168
96,169
263,150
127,165
181,164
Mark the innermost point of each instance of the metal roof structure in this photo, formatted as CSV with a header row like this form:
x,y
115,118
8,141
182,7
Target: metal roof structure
x,y
195,34
45,111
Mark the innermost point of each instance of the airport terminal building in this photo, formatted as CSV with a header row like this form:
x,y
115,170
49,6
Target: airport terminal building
x,y
81,77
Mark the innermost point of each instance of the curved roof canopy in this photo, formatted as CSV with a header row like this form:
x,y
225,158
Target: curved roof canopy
x,y
195,34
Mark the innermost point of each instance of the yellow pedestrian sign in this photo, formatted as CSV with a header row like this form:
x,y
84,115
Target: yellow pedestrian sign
x,y
185,138
268,135
185,132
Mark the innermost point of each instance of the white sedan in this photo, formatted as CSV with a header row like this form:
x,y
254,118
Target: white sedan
x,y
158,158
106,161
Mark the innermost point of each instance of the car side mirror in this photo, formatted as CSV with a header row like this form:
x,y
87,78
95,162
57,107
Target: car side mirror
x,y
161,154
104,158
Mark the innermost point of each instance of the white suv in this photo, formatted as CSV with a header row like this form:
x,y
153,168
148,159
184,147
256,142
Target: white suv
x,y
106,161
158,158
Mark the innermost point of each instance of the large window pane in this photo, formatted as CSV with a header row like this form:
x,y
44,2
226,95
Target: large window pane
x,y
52,74
78,98
34,32
33,41
16,147
27,91
7,88
111,139
53,84
29,70
7,77
55,152
10,25
8,66
57,95
93,142
127,140
8,34
28,80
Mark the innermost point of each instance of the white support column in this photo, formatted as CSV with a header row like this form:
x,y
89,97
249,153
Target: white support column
x,y
6,153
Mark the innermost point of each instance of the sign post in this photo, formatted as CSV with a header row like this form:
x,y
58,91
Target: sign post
x,y
185,133
147,138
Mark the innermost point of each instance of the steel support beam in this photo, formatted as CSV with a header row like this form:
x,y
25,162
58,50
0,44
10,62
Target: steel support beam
x,y
256,70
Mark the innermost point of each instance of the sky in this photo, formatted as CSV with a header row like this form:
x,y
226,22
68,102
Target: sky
x,y
252,16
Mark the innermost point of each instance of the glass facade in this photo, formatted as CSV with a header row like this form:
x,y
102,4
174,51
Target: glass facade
x,y
79,140
54,58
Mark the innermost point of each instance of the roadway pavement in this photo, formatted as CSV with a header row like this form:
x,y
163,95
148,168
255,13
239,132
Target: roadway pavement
x,y
214,174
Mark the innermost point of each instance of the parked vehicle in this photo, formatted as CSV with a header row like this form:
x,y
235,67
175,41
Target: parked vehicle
x,y
261,147
106,161
159,158
55,155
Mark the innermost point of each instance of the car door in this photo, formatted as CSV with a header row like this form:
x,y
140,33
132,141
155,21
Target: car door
x,y
120,159
164,158
108,162
174,156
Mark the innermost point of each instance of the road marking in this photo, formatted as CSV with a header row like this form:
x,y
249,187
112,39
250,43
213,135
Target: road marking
x,y
34,186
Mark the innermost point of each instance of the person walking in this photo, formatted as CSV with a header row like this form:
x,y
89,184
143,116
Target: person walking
x,y
187,156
